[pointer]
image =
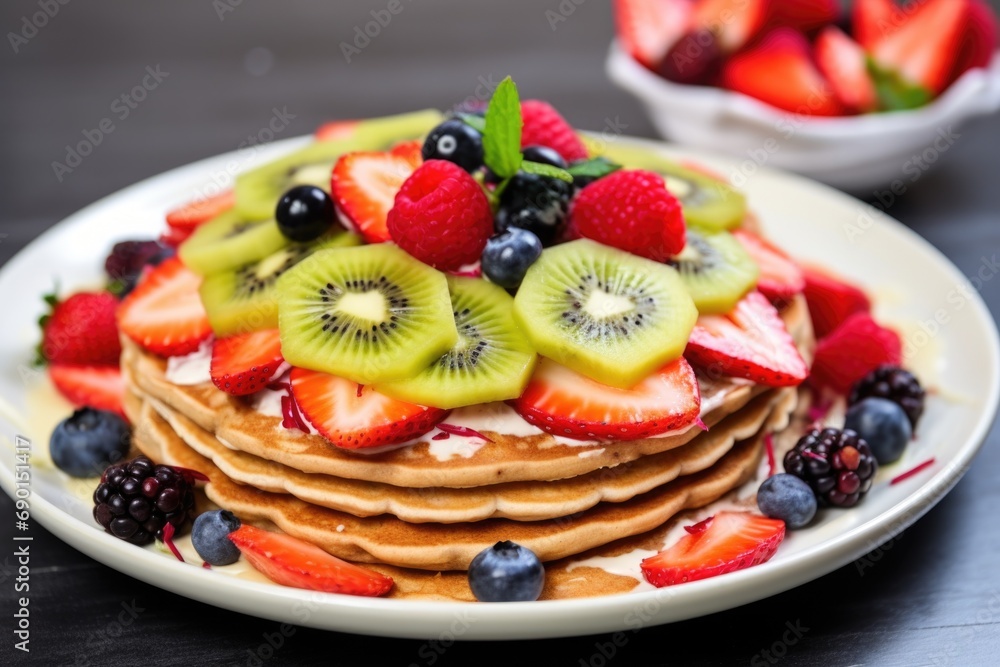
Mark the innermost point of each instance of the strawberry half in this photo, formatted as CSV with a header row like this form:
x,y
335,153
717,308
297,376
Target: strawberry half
x,y
779,71
750,342
924,49
803,15
289,561
192,215
565,403
734,22
364,187
355,417
244,364
780,278
979,39
336,130
81,330
99,387
732,541
647,29
855,348
872,20
844,63
831,300
164,313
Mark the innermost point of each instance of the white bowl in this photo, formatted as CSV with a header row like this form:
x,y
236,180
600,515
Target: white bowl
x,y
854,153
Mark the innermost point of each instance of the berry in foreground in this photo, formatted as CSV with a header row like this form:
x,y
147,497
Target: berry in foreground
x,y
535,203
99,387
884,426
788,498
831,300
456,142
838,465
506,572
81,330
88,441
853,350
732,541
304,213
137,498
894,383
210,537
508,255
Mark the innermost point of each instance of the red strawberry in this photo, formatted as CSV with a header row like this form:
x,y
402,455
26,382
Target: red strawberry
x,y
630,210
566,403
735,22
844,63
82,330
924,49
335,130
872,20
855,348
175,236
831,300
979,39
544,126
409,150
195,213
164,313
803,15
441,216
779,71
244,364
750,342
780,278
733,541
289,561
648,28
99,387
353,417
364,185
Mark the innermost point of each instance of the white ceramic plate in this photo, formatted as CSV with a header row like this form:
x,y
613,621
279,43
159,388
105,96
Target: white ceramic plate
x,y
912,281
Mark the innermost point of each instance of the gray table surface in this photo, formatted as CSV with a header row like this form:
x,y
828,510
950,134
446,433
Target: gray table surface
x,y
933,598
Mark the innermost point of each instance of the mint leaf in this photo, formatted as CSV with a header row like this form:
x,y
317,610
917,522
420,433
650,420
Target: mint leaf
x,y
595,167
546,170
895,93
502,135
477,123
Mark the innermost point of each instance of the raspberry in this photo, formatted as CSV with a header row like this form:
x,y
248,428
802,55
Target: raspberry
x,y
630,210
895,384
838,465
441,216
855,348
544,126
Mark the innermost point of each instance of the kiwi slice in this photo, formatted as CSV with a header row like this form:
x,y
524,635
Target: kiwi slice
x,y
245,298
716,269
229,241
705,201
610,315
492,360
257,191
370,314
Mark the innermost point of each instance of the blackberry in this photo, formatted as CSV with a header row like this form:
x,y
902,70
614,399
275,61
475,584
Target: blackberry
x,y
536,203
838,465
137,498
894,383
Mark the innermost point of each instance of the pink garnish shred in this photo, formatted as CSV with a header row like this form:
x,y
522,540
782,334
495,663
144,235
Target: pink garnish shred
x,y
912,471
440,436
290,414
463,431
361,389
168,539
699,527
700,424
818,410
772,466
191,475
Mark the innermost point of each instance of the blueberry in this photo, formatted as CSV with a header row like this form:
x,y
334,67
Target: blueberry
x,y
883,424
506,572
543,155
304,213
456,142
508,255
536,203
88,441
210,537
788,498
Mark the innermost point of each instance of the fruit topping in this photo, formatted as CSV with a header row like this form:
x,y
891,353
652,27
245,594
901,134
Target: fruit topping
x,y
544,126
81,329
732,541
883,425
455,141
831,300
506,572
245,363
871,20
304,213
210,537
88,441
919,468
780,278
164,313
544,155
193,214
979,39
854,349
369,314
136,499
788,498
460,431
336,130
897,385
716,270
364,186
508,255
355,419
568,404
535,203
845,65
838,465
290,561
98,387
228,241
693,59
604,313
749,342
735,22
647,29
129,259
441,216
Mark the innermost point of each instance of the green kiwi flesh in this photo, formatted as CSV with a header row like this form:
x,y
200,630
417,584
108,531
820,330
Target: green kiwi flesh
x,y
716,270
229,241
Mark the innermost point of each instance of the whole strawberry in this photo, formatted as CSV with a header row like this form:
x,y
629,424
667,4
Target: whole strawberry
x,y
544,126
81,330
441,216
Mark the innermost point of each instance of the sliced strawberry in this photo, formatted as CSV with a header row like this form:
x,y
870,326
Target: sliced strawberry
x,y
780,278
872,20
81,329
803,15
648,28
164,313
831,300
855,348
174,236
355,417
923,50
99,387
336,130
195,213
409,150
364,186
733,541
779,71
244,364
566,403
979,39
844,63
750,342
289,561
735,22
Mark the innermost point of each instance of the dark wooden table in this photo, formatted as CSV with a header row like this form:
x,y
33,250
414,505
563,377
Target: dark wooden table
x,y
933,598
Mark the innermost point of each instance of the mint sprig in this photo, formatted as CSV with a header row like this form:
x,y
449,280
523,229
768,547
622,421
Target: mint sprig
x,y
595,167
502,134
547,170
